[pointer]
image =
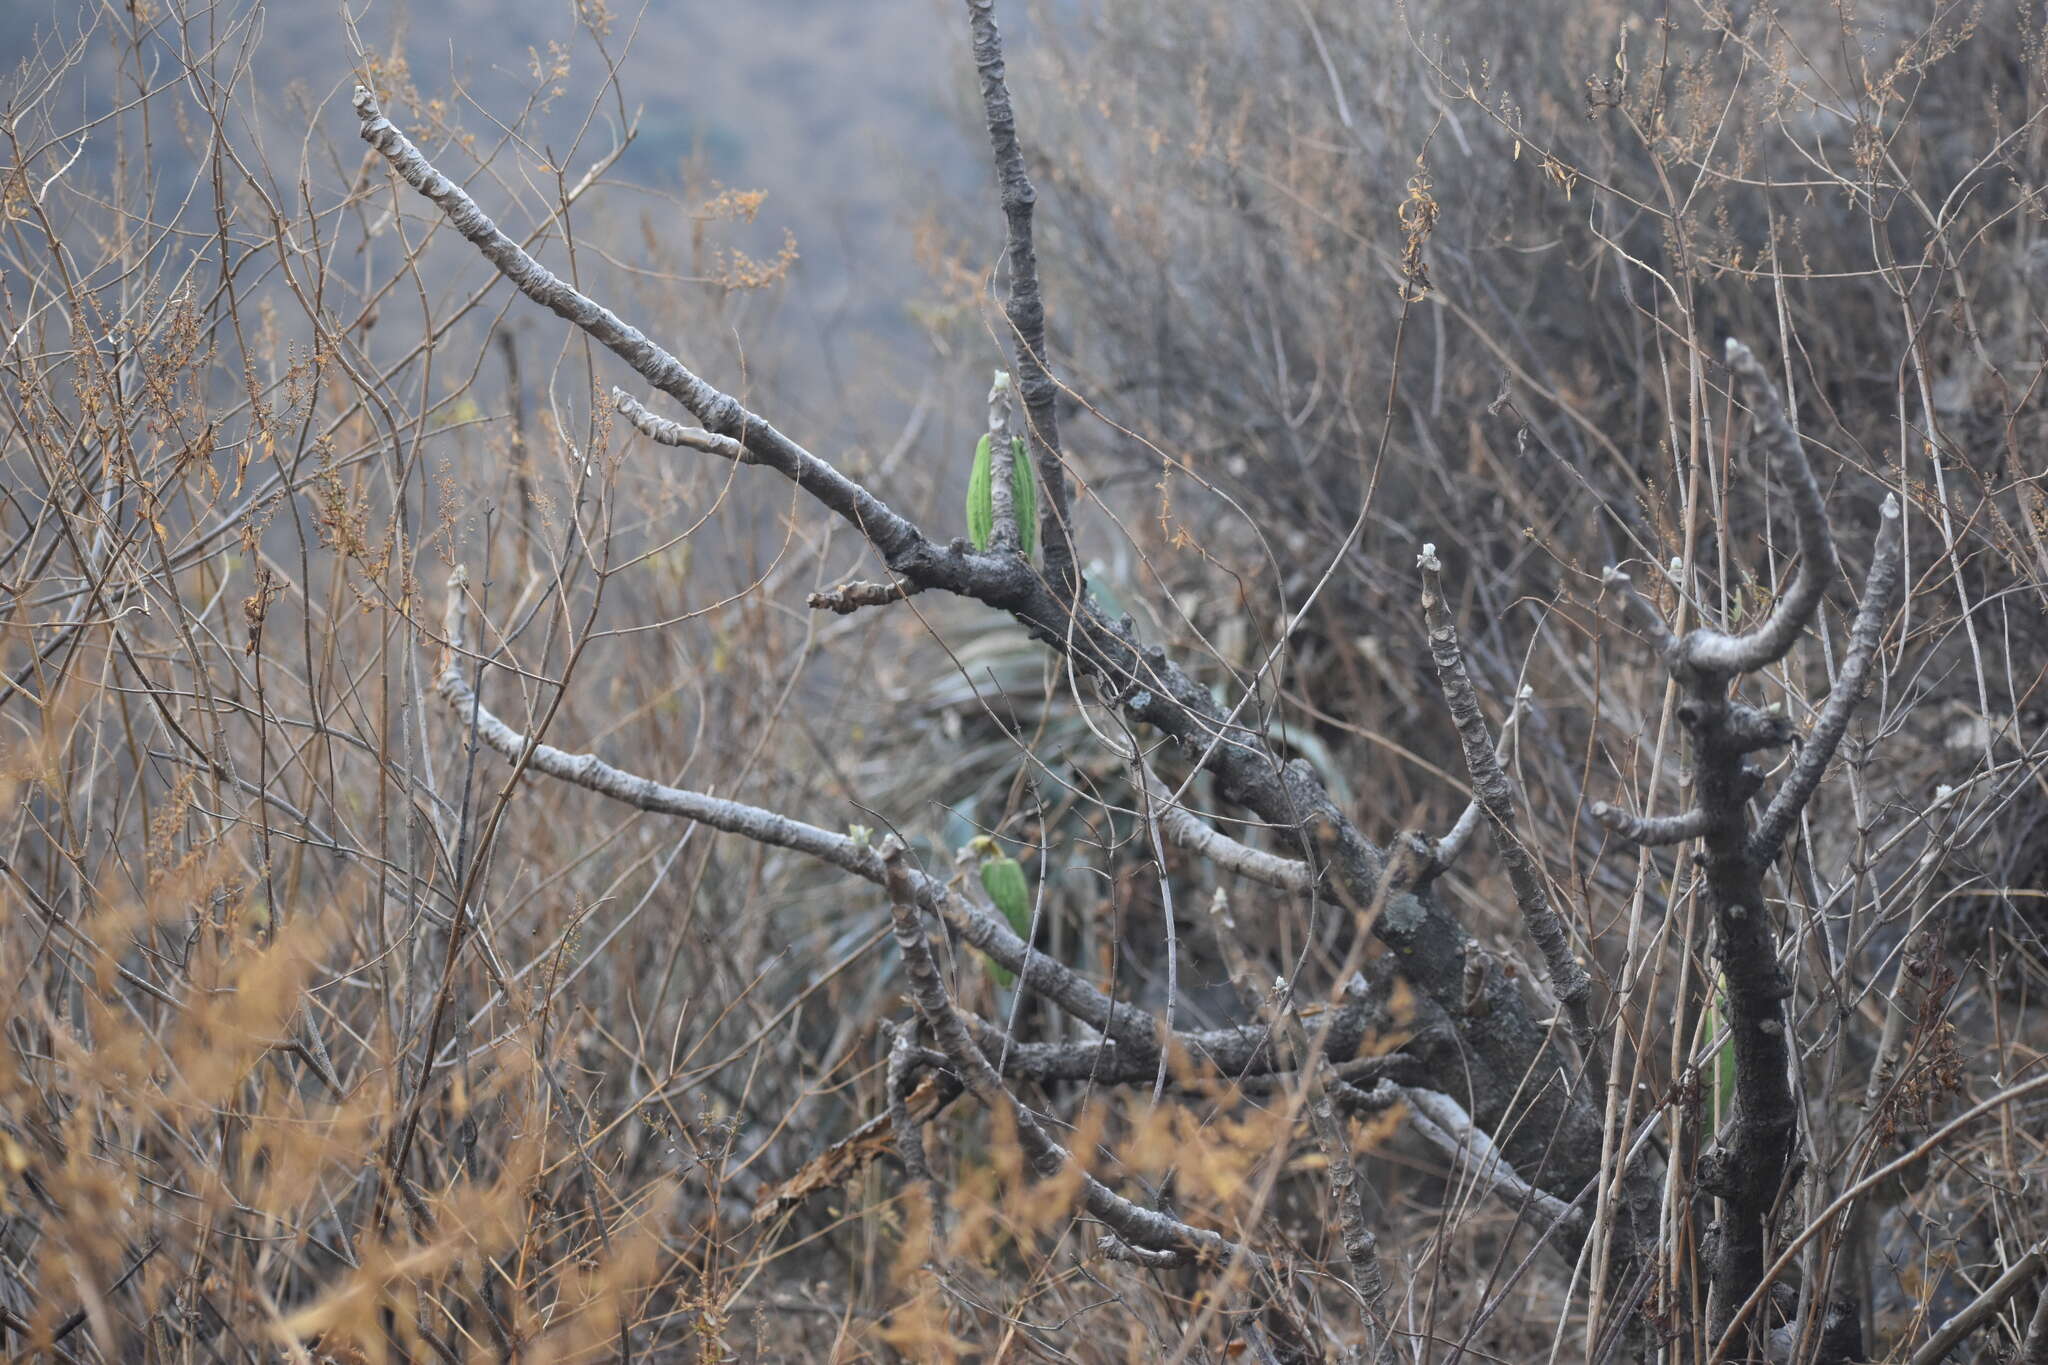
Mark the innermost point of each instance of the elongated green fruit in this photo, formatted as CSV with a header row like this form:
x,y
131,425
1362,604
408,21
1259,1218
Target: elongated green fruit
x,y
1003,878
981,508
981,497
1024,497
1721,1081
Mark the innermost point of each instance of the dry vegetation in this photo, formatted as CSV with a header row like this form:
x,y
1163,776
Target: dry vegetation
x,y
494,873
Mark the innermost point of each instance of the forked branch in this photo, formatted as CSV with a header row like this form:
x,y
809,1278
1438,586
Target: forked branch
x,y
1544,1128
1750,1162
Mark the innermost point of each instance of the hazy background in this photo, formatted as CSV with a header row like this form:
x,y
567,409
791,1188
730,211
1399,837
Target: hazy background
x,y
850,114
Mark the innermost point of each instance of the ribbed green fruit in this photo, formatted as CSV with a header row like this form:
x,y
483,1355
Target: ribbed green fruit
x,y
1003,878
1024,497
981,508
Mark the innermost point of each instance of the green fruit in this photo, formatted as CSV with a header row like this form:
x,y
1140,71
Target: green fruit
x,y
981,507
1024,497
981,510
1003,878
1721,1080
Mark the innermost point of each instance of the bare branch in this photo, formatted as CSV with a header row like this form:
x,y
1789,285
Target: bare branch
x,y
1191,832
1651,830
1880,591
980,925
663,431
1002,468
1979,1310
1496,793
1022,304
721,413
1452,845
1445,1123
1136,1226
909,1133
2034,1350
1715,652
848,598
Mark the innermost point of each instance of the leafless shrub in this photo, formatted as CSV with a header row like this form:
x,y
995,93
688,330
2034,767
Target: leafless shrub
x,y
1108,963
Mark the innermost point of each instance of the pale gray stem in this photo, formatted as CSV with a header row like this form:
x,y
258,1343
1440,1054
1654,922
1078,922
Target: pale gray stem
x,y
1650,830
1444,1122
665,431
982,926
1979,1310
1002,468
1715,652
721,413
1495,793
1452,845
1194,834
1880,591
904,1062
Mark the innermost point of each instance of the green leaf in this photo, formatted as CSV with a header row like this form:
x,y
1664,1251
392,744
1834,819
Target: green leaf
x,y
1024,497
1003,878
981,511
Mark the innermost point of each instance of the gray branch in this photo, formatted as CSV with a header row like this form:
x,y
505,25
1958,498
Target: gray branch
x,y
1880,591
1452,845
1979,1310
1548,1131
1711,650
904,1063
1135,1226
980,925
665,431
1495,792
1194,834
721,413
1652,830
1022,304
1242,1053
2034,1349
848,598
1002,468
1444,1122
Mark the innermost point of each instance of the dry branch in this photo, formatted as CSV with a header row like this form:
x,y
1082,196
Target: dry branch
x,y
1750,1164
1137,1227
1549,1131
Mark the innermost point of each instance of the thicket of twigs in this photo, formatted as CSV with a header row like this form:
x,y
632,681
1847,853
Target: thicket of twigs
x,y
1498,812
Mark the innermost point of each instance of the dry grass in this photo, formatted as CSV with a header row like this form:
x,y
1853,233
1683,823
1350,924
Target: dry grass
x,y
335,1036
